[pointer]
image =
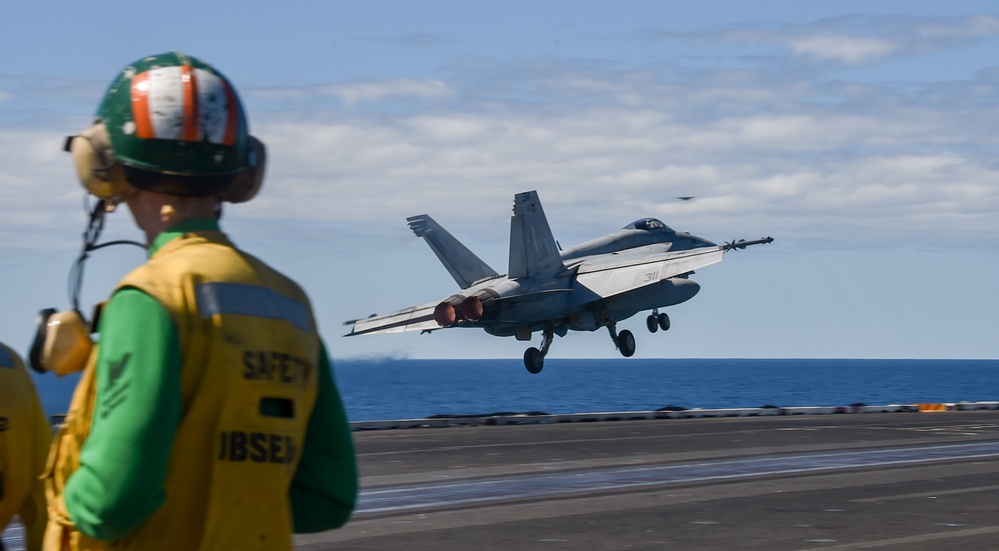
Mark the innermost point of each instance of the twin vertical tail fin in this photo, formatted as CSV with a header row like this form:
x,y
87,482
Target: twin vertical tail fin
x,y
464,266
532,248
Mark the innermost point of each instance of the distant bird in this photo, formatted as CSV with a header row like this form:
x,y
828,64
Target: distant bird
x,y
686,197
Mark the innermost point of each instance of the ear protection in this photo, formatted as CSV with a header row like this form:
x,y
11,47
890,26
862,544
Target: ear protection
x,y
96,167
102,175
62,343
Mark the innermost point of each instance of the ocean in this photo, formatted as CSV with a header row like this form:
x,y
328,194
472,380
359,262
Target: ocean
x,y
412,389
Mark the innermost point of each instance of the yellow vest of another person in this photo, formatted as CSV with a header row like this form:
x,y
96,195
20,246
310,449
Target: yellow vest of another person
x,y
25,438
249,351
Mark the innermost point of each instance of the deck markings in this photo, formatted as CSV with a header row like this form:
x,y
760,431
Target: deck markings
x,y
426,496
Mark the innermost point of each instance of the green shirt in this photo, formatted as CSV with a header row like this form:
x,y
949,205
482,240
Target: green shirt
x,y
123,463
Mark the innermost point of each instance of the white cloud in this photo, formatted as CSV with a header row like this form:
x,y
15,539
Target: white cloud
x,y
842,48
856,39
974,26
762,150
353,93
869,169
357,92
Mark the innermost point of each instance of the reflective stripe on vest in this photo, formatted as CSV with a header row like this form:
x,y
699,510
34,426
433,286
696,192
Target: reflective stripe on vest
x,y
249,300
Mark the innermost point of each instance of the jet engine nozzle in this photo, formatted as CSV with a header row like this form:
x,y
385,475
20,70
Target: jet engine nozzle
x,y
459,308
471,309
445,315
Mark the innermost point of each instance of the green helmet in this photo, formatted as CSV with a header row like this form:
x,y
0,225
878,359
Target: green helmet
x,y
176,125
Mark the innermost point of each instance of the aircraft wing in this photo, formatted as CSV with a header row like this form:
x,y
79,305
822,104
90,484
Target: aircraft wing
x,y
417,318
609,275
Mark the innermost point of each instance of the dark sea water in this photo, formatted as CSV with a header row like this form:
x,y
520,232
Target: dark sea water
x,y
407,389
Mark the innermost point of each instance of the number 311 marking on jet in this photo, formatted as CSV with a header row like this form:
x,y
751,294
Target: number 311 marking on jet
x,y
595,284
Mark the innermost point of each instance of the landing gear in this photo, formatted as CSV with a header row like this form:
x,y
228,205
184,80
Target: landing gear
x,y
657,321
626,343
664,322
624,340
534,359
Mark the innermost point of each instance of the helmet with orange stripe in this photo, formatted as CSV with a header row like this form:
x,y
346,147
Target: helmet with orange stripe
x,y
172,124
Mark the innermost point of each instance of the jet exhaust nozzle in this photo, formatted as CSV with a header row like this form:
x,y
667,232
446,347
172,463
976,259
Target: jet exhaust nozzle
x,y
459,308
471,309
445,314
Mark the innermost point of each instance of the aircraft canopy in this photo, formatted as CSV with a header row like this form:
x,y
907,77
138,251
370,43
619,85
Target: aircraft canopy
x,y
649,224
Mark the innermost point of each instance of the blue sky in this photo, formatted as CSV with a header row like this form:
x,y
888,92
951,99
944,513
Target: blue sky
x,y
862,138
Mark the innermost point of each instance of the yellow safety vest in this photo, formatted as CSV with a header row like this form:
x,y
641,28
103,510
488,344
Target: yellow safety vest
x,y
249,348
25,437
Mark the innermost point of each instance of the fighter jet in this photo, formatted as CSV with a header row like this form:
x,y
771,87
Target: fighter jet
x,y
644,266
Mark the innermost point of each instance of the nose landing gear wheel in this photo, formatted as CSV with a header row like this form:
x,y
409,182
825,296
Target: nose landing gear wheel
x,y
534,360
653,323
626,343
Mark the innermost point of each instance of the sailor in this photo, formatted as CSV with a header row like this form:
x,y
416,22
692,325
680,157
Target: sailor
x,y
207,417
24,441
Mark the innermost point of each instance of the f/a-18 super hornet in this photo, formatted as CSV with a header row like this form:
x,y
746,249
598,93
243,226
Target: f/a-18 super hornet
x,y
643,266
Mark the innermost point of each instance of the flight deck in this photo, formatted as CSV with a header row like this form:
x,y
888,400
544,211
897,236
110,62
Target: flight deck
x,y
781,482
912,480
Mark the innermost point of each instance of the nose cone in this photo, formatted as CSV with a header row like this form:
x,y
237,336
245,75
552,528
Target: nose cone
x,y
692,241
701,242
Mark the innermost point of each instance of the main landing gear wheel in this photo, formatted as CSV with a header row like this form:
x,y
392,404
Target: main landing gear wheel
x,y
663,321
534,360
657,321
626,343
